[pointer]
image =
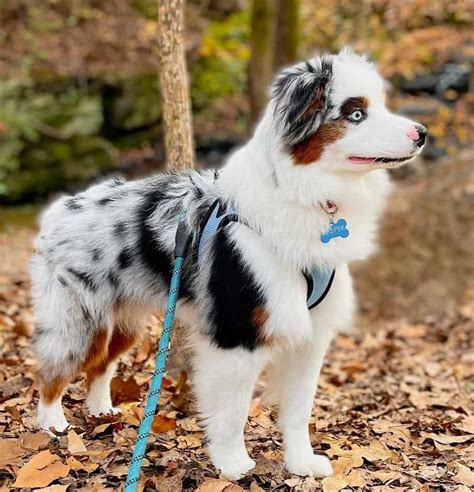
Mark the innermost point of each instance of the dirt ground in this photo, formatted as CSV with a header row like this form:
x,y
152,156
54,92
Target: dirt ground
x,y
394,410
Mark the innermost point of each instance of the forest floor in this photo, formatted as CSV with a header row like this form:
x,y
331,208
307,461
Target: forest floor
x,y
394,410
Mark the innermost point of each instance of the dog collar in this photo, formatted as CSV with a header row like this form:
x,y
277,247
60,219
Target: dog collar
x,y
319,279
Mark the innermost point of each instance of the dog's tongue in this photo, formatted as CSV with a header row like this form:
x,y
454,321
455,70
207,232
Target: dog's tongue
x,y
361,160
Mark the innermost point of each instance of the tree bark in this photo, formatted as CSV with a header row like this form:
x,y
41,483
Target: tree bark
x,y
177,124
261,55
273,44
177,127
285,41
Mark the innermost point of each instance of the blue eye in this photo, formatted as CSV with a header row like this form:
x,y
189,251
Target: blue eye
x,y
356,116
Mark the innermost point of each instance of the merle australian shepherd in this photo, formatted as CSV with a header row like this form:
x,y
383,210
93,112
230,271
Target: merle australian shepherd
x,y
103,259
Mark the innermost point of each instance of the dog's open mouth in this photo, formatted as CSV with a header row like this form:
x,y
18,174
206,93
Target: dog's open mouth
x,y
384,160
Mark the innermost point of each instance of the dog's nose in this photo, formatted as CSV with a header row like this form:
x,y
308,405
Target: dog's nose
x,y
418,134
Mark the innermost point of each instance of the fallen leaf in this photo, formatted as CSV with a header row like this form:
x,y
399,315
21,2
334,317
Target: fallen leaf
x,y
293,482
144,350
101,428
161,423
344,464
11,452
466,424
124,390
75,444
14,413
385,475
189,425
412,331
464,475
35,440
424,400
334,484
54,488
217,485
357,478
41,470
445,439
75,464
189,441
354,367
430,472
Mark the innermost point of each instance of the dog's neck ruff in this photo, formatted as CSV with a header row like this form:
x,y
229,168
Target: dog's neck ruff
x,y
319,279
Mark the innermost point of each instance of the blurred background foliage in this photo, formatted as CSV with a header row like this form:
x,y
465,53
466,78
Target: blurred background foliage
x,y
79,92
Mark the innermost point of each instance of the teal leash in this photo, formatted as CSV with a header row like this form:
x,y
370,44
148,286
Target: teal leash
x,y
182,242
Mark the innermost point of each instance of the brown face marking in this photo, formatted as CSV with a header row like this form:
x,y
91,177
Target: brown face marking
x,y
353,103
310,149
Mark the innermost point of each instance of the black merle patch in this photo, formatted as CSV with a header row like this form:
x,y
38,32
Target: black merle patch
x,y
62,281
86,278
113,279
153,255
86,314
74,203
236,297
116,182
104,201
97,254
125,258
119,230
40,329
197,192
72,357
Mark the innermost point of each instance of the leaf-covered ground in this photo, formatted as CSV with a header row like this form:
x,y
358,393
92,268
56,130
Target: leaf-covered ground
x,y
394,409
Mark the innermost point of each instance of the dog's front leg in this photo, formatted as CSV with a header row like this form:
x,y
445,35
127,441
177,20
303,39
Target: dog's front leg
x,y
298,373
224,380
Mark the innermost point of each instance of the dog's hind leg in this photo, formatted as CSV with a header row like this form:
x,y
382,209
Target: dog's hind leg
x,y
128,320
60,350
100,370
224,380
50,413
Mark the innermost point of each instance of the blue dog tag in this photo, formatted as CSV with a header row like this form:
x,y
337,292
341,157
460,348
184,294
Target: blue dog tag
x,y
336,229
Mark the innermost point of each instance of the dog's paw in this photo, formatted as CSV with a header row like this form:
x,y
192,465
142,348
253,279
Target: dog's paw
x,y
51,417
311,466
96,411
48,425
233,468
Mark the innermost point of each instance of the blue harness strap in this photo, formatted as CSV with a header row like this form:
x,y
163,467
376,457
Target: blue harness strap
x,y
319,279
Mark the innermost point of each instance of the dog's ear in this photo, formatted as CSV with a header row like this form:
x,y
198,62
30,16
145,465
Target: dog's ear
x,y
300,96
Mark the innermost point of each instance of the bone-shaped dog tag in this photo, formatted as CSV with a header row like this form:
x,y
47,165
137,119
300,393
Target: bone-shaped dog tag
x,y
336,229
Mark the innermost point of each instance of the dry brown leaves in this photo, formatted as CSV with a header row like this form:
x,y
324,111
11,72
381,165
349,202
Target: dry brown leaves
x,y
394,412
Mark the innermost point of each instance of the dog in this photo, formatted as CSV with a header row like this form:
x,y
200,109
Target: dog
x,y
315,165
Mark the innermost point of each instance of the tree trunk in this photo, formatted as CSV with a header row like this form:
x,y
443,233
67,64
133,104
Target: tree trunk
x,y
273,44
285,41
174,85
261,57
177,127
